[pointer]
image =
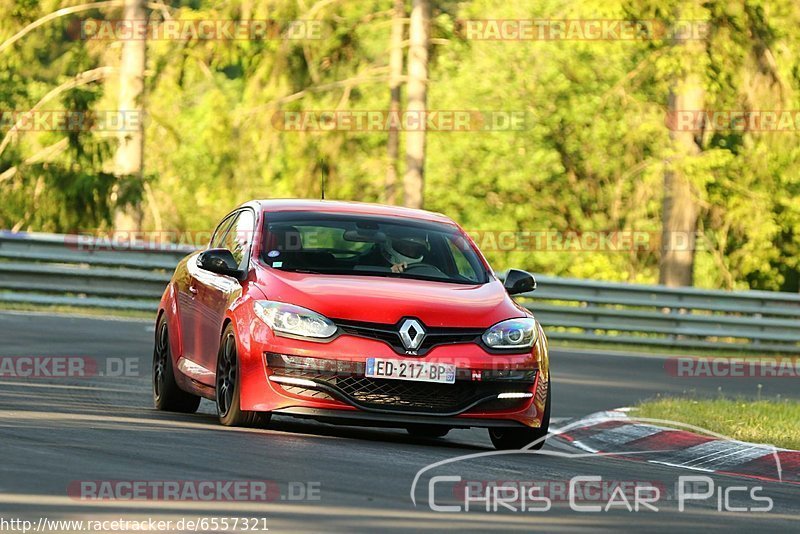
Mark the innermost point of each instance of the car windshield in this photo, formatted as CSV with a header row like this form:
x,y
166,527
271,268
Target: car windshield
x,y
370,246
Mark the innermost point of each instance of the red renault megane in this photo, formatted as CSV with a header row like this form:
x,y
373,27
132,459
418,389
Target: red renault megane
x,y
355,314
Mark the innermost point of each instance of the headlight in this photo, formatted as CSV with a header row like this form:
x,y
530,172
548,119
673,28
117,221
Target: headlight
x,y
512,334
294,320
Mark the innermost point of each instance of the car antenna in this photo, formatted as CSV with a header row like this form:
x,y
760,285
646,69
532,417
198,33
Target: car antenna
x,y
322,177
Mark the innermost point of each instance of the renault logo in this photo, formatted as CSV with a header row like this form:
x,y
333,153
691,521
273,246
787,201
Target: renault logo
x,y
411,334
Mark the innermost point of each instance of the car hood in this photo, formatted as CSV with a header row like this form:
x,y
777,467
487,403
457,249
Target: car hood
x,y
385,300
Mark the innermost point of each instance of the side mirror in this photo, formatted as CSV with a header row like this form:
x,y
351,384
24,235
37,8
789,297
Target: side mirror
x,y
519,282
220,261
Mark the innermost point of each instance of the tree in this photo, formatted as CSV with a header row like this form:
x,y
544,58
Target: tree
x,y
129,160
51,178
592,155
395,85
679,207
419,42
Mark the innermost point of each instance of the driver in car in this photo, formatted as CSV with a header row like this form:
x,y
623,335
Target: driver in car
x,y
402,251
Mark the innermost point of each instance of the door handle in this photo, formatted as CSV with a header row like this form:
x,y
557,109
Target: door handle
x,y
193,290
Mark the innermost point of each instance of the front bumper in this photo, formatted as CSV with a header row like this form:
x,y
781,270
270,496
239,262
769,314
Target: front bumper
x,y
326,381
344,381
391,420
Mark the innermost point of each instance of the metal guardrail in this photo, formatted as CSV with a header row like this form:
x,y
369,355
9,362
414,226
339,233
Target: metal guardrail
x,y
82,271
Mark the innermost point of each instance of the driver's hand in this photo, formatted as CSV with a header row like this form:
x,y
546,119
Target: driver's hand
x,y
399,267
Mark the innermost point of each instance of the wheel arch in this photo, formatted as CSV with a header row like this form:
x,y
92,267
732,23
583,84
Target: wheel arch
x,y
168,307
240,314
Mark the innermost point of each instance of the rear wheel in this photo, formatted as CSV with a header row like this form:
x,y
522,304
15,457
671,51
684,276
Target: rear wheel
x,y
428,431
229,386
517,438
166,393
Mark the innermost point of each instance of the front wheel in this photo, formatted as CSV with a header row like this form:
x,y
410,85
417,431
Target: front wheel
x,y
229,387
517,438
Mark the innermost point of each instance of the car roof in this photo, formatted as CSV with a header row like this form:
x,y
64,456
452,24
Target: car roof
x,y
357,208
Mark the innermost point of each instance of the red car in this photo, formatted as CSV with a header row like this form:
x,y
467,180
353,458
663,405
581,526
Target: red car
x,y
352,313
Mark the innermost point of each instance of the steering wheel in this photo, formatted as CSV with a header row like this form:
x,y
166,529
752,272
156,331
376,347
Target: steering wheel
x,y
426,266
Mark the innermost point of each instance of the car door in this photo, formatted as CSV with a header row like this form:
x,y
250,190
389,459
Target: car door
x,y
215,292
189,312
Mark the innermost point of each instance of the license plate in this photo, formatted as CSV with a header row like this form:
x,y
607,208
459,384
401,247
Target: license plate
x,y
441,373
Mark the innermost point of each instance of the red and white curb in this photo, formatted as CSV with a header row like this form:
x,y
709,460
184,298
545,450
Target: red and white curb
x,y
618,434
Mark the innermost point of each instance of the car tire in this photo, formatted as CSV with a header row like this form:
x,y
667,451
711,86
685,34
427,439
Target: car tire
x,y
167,395
428,431
517,438
229,386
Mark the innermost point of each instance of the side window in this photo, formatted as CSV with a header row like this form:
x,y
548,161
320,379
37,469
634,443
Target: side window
x,y
219,233
240,236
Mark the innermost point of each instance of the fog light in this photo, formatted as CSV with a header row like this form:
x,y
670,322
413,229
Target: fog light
x,y
515,395
293,381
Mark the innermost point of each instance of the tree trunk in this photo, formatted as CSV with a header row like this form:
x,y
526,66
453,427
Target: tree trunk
x,y
129,160
679,216
419,39
395,84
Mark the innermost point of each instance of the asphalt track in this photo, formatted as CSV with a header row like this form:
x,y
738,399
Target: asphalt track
x,y
56,431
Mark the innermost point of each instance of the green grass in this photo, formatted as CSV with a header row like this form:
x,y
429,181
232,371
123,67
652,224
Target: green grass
x,y
774,422
78,310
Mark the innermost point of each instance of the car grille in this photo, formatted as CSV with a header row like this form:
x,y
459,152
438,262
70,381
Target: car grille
x,y
305,392
419,396
389,334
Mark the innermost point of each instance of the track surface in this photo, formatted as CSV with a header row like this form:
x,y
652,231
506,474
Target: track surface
x,y
54,431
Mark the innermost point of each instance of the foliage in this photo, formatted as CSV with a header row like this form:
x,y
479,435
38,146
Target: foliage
x,y
591,156
69,190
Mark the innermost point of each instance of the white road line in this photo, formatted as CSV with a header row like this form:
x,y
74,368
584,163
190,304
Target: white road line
x,y
625,434
726,454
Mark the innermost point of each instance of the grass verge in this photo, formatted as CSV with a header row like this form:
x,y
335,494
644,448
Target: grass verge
x,y
773,422
78,310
